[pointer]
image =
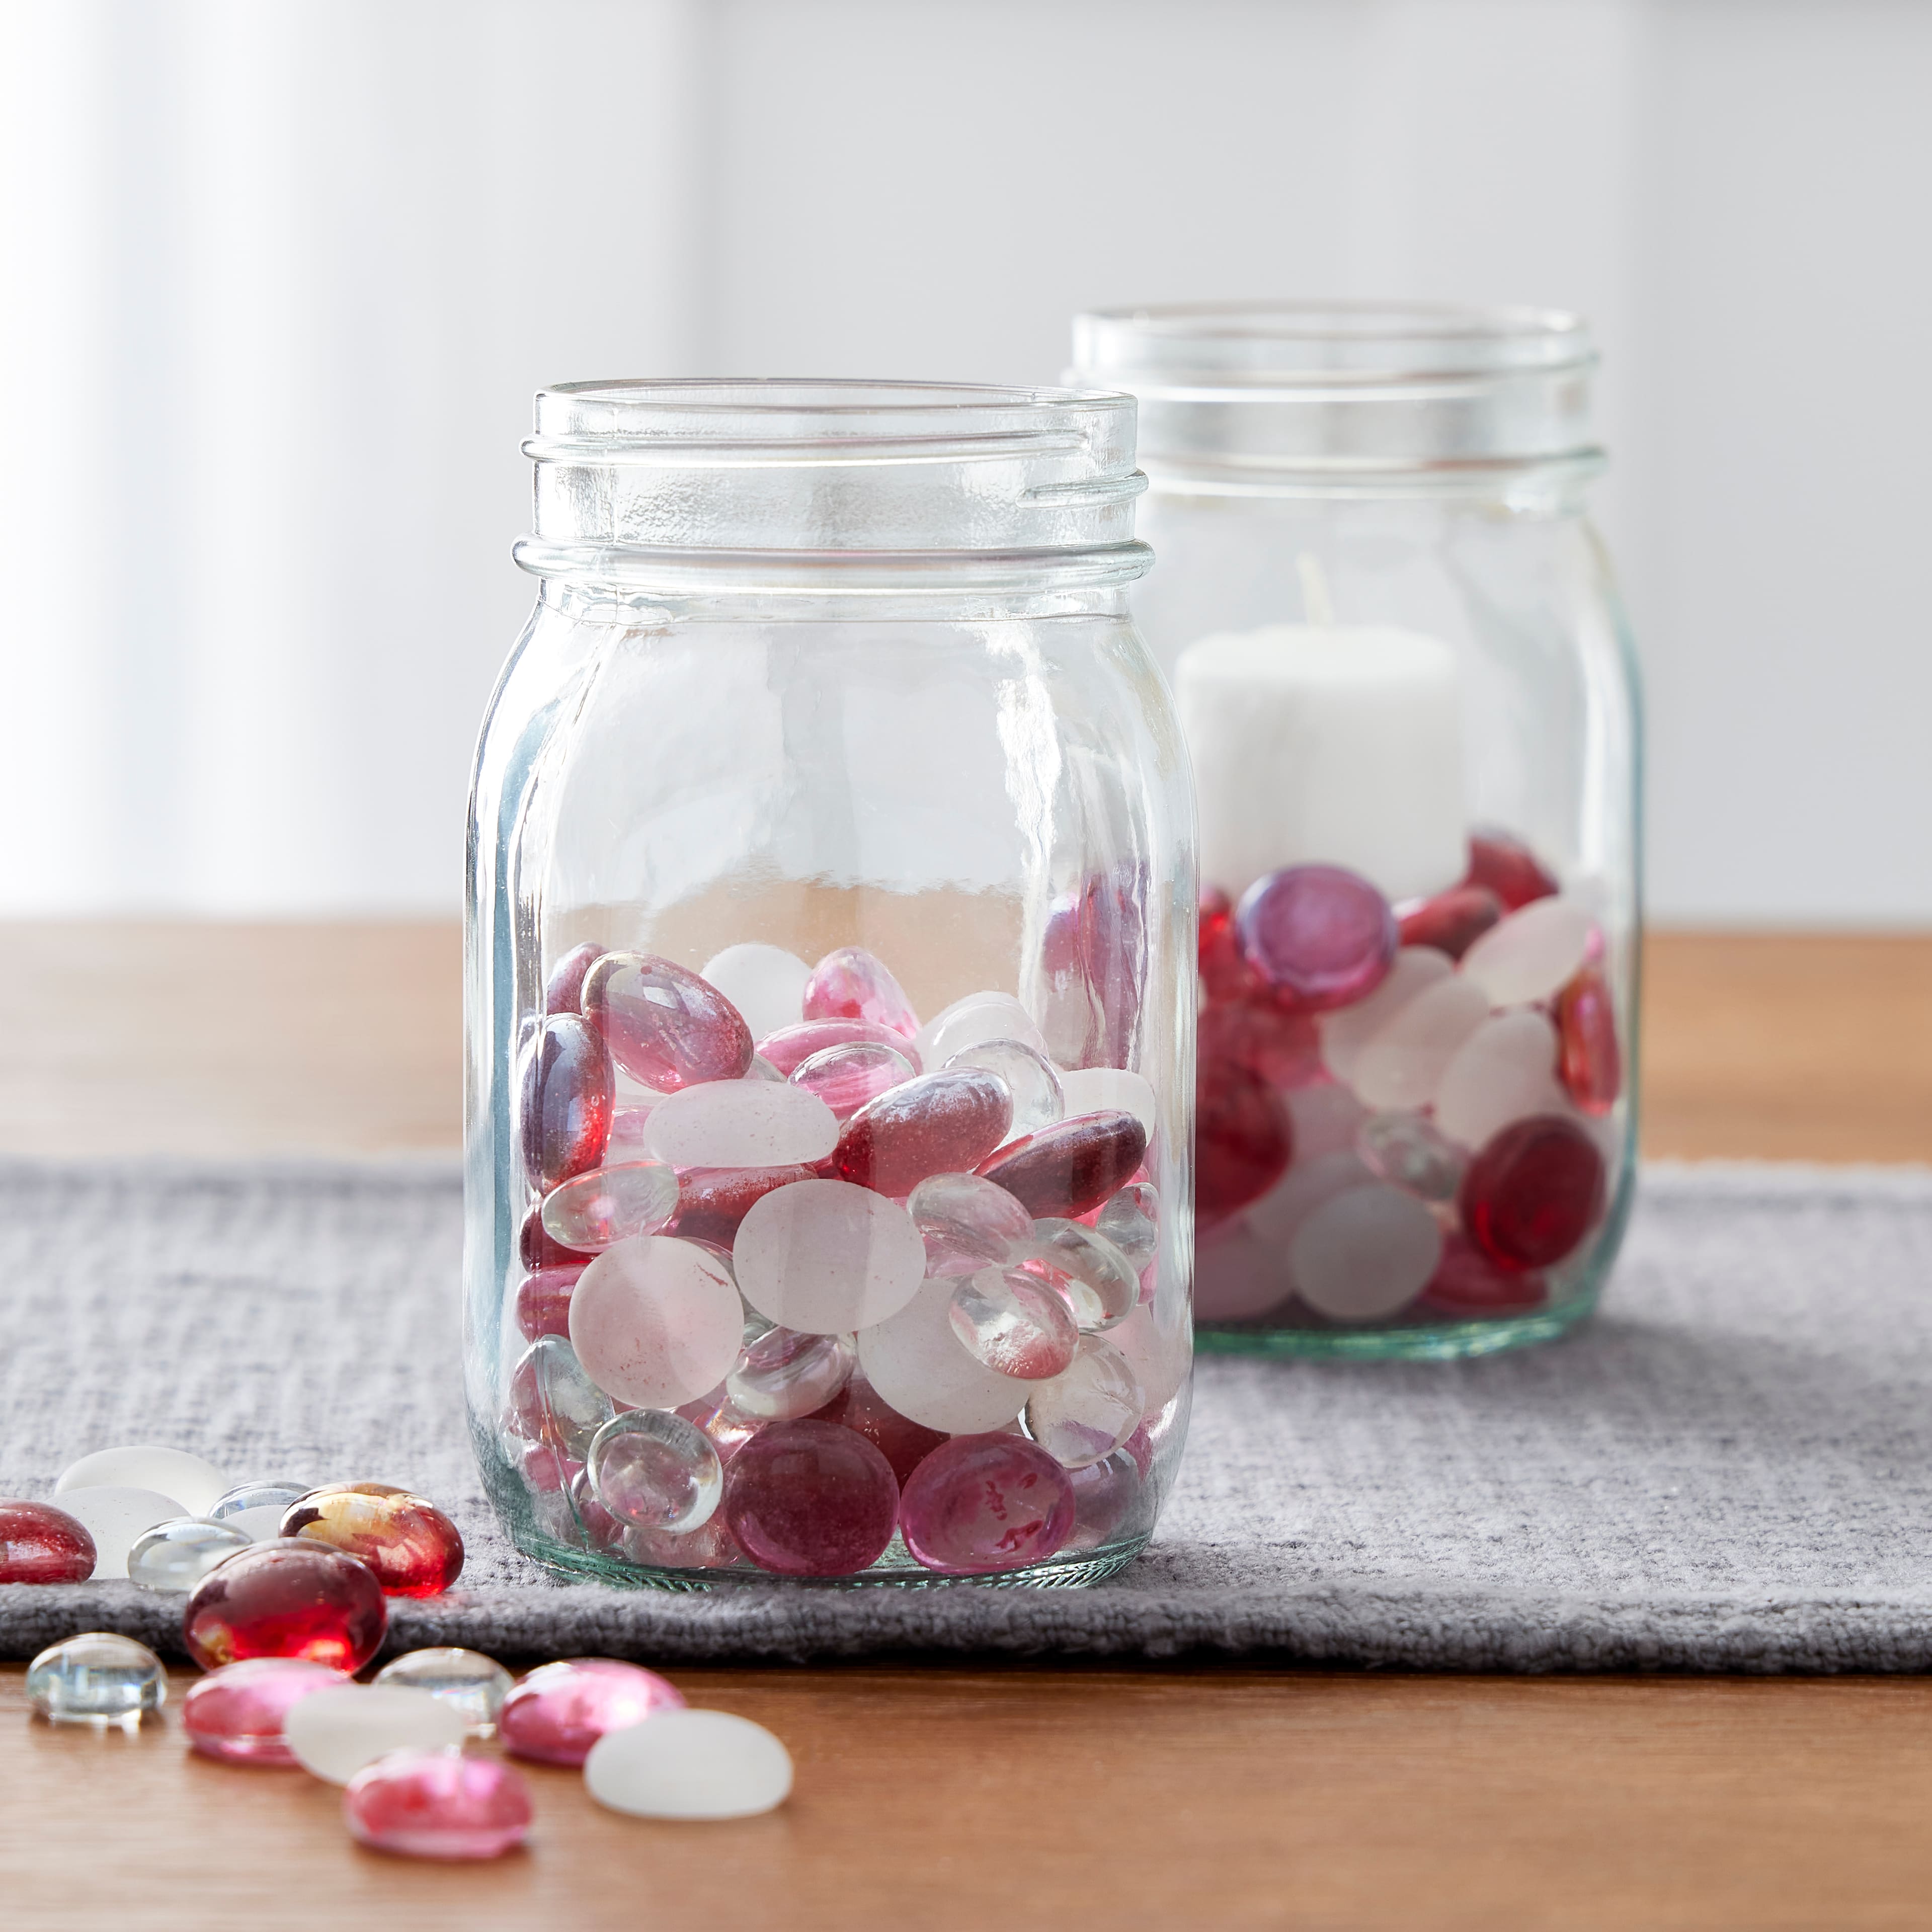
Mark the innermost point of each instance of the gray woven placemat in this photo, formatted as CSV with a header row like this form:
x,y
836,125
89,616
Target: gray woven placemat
x,y
1729,1469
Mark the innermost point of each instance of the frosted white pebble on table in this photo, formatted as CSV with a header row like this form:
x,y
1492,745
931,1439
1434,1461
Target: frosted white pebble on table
x,y
741,1123
689,1764
117,1517
334,1732
194,1481
916,1362
827,1257
766,983
1101,1090
655,1321
1364,1253
1505,1070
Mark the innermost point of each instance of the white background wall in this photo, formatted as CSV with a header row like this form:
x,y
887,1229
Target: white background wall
x,y
278,279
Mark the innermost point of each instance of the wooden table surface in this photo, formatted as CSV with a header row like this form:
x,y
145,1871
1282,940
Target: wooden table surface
x,y
934,1796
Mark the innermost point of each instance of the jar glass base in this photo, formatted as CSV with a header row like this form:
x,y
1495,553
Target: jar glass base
x,y
1446,1341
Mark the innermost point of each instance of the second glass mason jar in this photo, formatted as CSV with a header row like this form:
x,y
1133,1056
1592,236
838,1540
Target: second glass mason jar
x,y
829,994
1411,701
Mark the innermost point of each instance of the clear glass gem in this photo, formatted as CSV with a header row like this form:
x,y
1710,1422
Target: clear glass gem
x,y
1014,1323
653,1468
471,1684
789,1048
553,1401
97,1678
665,1027
1131,1220
1100,1284
967,1223
1104,1494
596,1211
175,1556
267,1492
1406,1151
1088,1411
782,1374
1030,1078
849,1077
411,1546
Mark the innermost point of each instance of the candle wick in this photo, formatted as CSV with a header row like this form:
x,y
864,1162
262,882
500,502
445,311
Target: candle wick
x,y
1314,590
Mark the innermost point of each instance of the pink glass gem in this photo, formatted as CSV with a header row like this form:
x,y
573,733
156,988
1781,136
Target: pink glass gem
x,y
287,1599
904,1443
537,1247
791,1047
1509,868
235,1713
810,1499
1467,1282
1069,1169
1113,959
556,1713
1282,1045
665,1026
1588,1056
596,1210
713,1201
41,1544
413,1549
568,1092
1243,1142
1452,922
547,1468
438,1805
845,1078
563,990
1533,1192
985,1504
944,1122
853,984
543,1301
1014,1323
1322,933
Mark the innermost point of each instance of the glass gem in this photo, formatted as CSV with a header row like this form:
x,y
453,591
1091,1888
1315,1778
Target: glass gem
x,y
917,1367
766,983
1112,930
1281,1044
690,1764
650,1467
852,984
1158,1347
553,1401
175,1556
845,1078
537,1248
275,1492
1347,1032
1039,1098
1402,1065
609,1204
791,1047
1533,1192
97,1678
1242,1140
1107,1090
1325,1116
1013,1323
1530,956
41,1544
438,1805
664,1025
236,1713
826,1257
546,1468
1099,1284
741,1123
1104,1494
712,1201
1131,1220
810,1499
563,990
287,1599
1509,868
1238,1276
904,1443
631,1133
945,1123
972,1021
710,1546
1466,1282
1069,1169
1224,974
783,1375
194,1483
1365,1254
556,1713
117,1519
412,1548
1091,1410
602,1529
472,1684
1505,1070
984,1503
1278,1216
657,1321
1405,1151
1452,922
966,1223
1588,1058
569,1093
333,1732
543,1302
1324,934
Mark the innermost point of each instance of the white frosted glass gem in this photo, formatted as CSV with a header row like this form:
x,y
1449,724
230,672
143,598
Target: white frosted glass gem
x,y
689,1764
1505,1070
741,1123
197,1483
1323,1117
176,1555
656,1321
766,983
1365,1254
1030,1077
917,1366
1159,1348
1102,1090
1532,954
1347,1030
117,1517
333,1733
826,1257
1277,1215
1403,1064
1237,1275
974,1021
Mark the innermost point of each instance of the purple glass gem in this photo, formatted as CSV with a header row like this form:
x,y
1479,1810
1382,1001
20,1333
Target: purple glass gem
x,y
987,1503
569,1093
563,990
1322,933
809,1499
664,1025
556,1713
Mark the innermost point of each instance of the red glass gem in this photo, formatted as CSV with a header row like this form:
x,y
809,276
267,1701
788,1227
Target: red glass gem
x,y
1467,1282
235,1713
663,1024
537,1248
983,1504
1534,1191
41,1544
1070,1167
543,1301
853,984
1242,1140
410,1546
438,1805
944,1122
1282,1044
791,1047
1452,922
810,1499
563,990
712,1201
556,1713
285,1599
1324,934
904,1443
1588,1057
1225,974
1509,868
568,1092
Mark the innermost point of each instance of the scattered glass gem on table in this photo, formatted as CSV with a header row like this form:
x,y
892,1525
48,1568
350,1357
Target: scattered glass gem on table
x,y
175,1556
196,1484
412,1548
653,1468
97,1678
287,1599
472,1684
336,1730
560,1711
40,1543
811,1499
276,1493
984,1503
117,1519
236,1713
690,1764
438,1805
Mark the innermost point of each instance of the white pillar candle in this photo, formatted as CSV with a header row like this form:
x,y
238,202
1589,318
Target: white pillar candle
x,y
1336,744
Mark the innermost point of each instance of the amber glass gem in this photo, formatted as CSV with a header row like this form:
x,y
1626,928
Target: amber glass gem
x,y
411,1547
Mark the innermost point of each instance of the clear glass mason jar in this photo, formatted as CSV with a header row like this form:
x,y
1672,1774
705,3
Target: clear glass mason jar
x,y
830,995
1411,700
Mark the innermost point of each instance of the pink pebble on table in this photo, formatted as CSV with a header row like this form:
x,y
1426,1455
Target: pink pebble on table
x,y
1452,922
563,989
966,1223
846,1077
656,1321
1531,955
1365,1254
1505,1070
852,984
985,1503
915,1364
543,1301
556,1713
1346,1032
1467,1282
235,1712
1508,868
713,1201
1242,1140
1533,1192
664,1026
41,1544
782,1375
1089,1410
287,1599
1403,1063
789,1048
741,1123
608,1205
438,1805
1238,1276
904,1443
1071,1168
1588,1058
568,1095
826,1257
1013,1323
1324,934
944,1122
766,983
808,1498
